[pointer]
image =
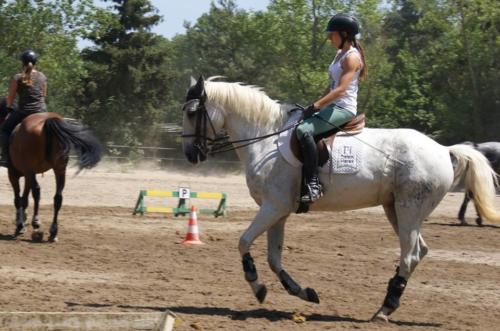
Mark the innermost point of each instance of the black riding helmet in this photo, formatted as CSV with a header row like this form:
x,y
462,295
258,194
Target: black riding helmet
x,y
343,23
29,56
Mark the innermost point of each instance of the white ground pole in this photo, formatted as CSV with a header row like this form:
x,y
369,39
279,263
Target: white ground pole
x,y
83,321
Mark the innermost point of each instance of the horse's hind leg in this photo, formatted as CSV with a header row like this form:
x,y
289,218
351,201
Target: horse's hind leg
x,y
20,210
406,218
275,238
461,215
463,208
37,234
35,191
479,219
58,198
390,212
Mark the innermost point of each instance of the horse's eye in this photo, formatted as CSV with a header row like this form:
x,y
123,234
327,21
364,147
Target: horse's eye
x,y
191,106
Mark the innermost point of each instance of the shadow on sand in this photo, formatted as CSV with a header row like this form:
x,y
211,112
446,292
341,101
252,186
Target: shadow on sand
x,y
261,313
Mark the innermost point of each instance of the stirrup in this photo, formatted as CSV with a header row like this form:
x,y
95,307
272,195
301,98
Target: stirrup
x,y
313,193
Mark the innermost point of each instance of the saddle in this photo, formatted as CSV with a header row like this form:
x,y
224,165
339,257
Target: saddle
x,y
326,139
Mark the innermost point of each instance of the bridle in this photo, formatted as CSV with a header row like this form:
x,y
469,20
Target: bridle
x,y
218,144
197,108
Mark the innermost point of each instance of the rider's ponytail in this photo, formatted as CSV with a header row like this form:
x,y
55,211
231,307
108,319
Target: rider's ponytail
x,y
26,76
364,69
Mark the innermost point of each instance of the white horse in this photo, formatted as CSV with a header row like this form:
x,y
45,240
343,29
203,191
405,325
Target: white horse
x,y
408,179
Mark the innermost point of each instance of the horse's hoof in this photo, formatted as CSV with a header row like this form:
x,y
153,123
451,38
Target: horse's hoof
x,y
380,317
19,231
261,294
53,239
37,236
479,222
312,296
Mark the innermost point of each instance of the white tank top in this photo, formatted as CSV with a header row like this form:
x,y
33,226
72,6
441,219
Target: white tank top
x,y
349,100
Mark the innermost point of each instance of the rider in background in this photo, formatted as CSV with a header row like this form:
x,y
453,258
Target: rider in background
x,y
31,88
339,105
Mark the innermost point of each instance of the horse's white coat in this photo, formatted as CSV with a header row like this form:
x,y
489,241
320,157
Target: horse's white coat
x,y
408,192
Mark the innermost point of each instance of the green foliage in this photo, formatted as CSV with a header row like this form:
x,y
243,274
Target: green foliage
x,y
433,64
129,75
51,29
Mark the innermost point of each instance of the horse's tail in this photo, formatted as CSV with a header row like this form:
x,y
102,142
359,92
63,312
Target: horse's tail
x,y
87,147
480,179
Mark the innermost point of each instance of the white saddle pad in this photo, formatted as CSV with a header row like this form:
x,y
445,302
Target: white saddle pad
x,y
347,152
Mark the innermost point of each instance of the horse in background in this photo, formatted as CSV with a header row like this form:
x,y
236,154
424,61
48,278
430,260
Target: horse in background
x,y
43,141
491,150
3,109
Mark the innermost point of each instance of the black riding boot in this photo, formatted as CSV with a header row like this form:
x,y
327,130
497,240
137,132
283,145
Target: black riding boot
x,y
313,188
4,142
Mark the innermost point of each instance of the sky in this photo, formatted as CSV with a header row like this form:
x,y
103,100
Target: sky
x,y
175,12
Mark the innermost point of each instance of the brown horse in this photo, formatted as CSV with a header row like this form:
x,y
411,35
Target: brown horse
x,y
42,142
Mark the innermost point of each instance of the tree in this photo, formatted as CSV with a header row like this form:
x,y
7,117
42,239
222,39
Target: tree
x,y
129,75
51,28
473,93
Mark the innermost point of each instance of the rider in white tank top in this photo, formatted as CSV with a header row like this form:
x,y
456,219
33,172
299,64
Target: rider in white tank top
x,y
349,100
338,106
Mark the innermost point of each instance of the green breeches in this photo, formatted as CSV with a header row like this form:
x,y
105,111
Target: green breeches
x,y
318,123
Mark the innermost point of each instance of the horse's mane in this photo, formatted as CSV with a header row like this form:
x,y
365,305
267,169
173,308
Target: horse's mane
x,y
247,100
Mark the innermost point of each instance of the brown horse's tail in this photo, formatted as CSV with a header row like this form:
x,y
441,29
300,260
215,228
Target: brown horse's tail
x,y
87,147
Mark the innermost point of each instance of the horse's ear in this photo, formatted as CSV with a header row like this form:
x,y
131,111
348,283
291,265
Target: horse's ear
x,y
200,86
193,82
201,81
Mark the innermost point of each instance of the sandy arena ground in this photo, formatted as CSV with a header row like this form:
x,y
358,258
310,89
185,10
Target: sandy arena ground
x,y
108,260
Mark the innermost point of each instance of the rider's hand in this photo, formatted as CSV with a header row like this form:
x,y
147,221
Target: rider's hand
x,y
309,111
10,109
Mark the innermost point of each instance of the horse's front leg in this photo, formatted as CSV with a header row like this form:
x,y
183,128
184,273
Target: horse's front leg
x,y
18,203
267,216
275,239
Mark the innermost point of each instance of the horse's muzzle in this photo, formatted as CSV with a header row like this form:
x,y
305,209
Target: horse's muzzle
x,y
195,153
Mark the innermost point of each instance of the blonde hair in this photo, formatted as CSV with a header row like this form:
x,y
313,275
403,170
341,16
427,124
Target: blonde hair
x,y
26,75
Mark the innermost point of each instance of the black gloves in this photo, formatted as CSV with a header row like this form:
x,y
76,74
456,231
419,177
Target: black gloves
x,y
309,111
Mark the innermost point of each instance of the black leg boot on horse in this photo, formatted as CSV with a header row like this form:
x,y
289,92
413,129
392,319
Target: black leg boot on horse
x,y
313,190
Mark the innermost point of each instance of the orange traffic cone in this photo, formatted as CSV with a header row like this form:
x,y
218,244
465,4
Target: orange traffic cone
x,y
192,235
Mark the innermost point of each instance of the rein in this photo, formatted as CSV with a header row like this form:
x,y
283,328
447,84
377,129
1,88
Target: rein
x,y
249,141
203,141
